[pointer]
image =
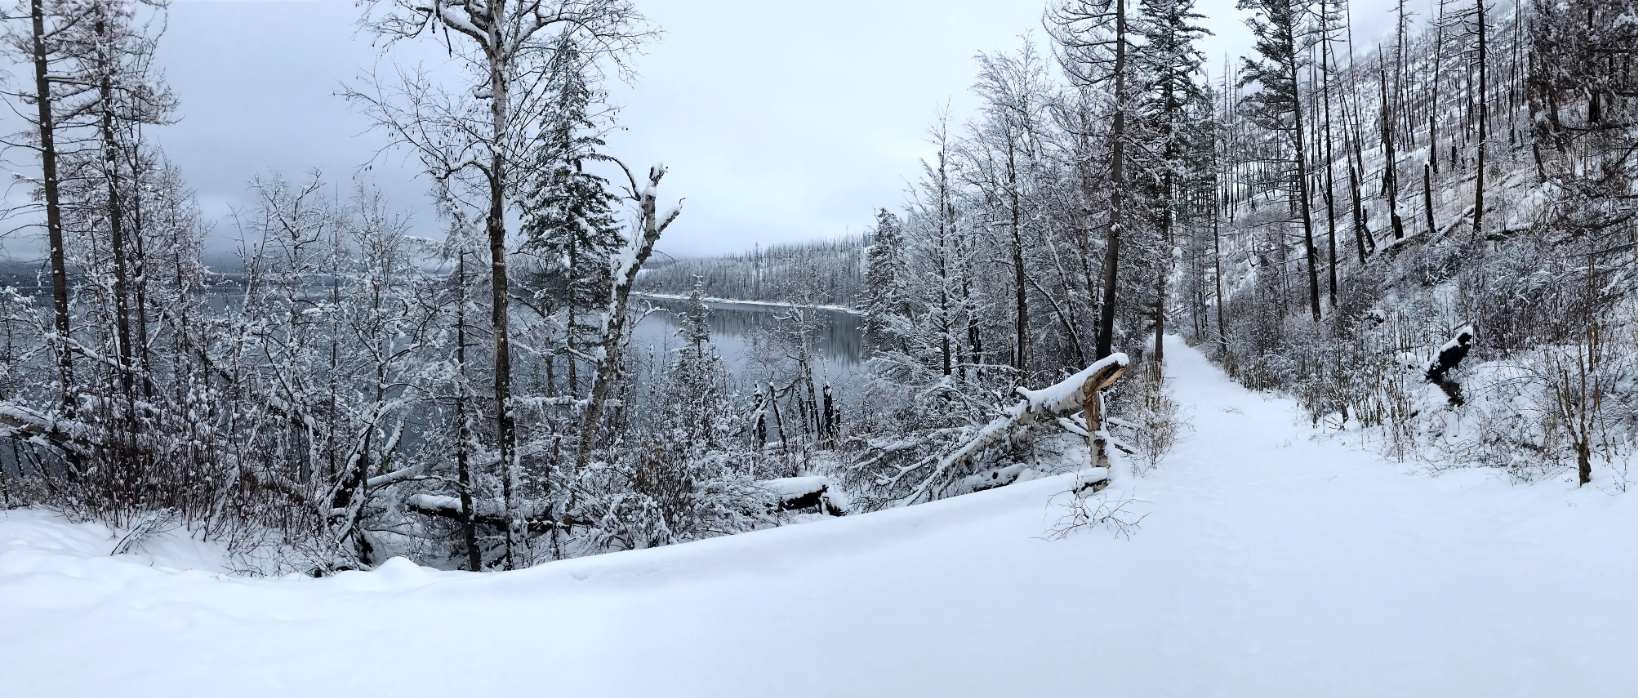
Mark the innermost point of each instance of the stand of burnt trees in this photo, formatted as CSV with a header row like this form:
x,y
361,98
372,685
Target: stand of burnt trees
x,y
1323,205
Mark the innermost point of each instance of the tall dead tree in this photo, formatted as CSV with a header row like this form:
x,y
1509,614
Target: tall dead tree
x,y
651,224
1326,15
1483,119
1390,161
46,133
1433,93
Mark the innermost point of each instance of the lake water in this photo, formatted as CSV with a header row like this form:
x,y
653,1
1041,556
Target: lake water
x,y
736,332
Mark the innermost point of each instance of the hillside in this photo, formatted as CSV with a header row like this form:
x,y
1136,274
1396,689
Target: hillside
x,y
813,273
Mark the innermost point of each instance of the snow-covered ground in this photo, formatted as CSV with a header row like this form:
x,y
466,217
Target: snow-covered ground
x,y
1270,564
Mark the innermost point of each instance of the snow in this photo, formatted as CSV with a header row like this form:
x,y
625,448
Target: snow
x,y
1270,563
796,486
1455,341
38,540
1066,394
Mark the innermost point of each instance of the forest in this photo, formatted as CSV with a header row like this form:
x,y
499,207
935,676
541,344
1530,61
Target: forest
x,y
1427,242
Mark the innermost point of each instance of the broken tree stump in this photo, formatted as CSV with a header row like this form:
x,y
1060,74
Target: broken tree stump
x,y
1092,406
1450,356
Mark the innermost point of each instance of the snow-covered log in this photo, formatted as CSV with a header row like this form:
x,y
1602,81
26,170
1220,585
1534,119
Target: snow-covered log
x,y
19,422
1081,391
485,512
806,492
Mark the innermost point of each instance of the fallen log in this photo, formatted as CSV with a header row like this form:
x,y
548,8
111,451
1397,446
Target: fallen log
x,y
802,493
1082,391
488,512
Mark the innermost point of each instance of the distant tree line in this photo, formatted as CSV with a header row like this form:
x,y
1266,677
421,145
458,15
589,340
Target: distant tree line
x,y
828,272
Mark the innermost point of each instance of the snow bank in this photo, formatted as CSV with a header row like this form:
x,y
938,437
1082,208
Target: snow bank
x,y
32,539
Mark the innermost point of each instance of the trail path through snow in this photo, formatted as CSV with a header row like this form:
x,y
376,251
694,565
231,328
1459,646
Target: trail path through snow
x,y
1271,563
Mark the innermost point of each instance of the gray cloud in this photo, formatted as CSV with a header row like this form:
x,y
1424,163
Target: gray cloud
x,y
780,121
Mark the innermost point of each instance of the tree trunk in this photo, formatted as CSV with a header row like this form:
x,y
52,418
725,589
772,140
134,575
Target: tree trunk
x,y
463,435
1117,152
499,286
1390,165
116,207
1020,359
608,361
1484,131
1217,268
1302,189
53,201
1433,94
1427,196
1330,179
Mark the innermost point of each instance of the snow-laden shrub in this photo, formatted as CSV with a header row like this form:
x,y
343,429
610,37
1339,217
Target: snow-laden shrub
x,y
658,495
1159,423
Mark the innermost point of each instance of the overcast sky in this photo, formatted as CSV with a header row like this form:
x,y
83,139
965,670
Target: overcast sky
x,y
781,121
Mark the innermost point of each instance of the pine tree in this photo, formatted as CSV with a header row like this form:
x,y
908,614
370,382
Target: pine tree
x,y
1169,59
568,212
696,403
1278,26
884,278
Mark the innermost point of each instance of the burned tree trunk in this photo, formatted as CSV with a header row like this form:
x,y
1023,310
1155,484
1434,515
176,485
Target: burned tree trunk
x,y
831,419
1450,356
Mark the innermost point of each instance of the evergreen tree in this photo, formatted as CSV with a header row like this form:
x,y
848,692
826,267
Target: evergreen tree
x,y
696,403
885,274
1278,26
1169,61
568,216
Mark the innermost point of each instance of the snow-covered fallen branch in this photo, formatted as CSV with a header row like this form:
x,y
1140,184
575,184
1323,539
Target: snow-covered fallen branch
x,y
485,512
935,476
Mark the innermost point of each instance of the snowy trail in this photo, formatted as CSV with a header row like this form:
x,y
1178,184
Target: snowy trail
x,y
1270,564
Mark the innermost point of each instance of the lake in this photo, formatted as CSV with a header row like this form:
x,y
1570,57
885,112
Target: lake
x,y
737,333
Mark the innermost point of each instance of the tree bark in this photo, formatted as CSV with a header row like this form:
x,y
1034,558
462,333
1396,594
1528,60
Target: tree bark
x,y
499,285
1484,131
1117,191
1301,159
53,199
